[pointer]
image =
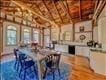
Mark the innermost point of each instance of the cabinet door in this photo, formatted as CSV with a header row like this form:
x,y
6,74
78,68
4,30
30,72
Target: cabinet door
x,y
86,51
79,50
82,51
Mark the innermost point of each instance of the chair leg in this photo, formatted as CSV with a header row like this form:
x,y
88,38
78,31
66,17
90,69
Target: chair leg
x,y
15,64
44,76
53,74
59,72
35,71
24,74
20,72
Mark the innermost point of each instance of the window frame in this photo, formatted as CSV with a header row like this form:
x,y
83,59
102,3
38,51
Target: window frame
x,y
37,33
7,36
29,35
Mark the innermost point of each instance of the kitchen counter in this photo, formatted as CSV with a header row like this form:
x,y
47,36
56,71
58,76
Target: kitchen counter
x,y
73,48
98,60
98,50
73,43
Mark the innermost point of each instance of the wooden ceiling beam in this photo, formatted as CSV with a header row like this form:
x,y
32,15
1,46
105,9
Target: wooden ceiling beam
x,y
96,4
57,11
22,18
66,10
5,0
7,7
7,10
80,15
99,9
38,8
23,5
16,16
48,11
5,19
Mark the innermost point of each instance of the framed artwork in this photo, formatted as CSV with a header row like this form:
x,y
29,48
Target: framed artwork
x,y
81,28
82,37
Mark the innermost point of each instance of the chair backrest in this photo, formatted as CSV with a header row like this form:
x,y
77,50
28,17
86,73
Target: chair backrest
x,y
22,58
16,54
48,61
19,56
53,60
56,59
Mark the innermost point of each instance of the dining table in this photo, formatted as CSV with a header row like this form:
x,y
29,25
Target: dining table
x,y
37,57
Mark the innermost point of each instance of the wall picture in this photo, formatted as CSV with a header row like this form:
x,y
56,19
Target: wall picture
x,y
81,28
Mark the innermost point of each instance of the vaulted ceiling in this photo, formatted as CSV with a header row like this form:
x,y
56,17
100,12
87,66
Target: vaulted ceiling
x,y
47,12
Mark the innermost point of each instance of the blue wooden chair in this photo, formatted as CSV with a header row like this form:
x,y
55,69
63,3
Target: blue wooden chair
x,y
52,64
24,64
17,63
27,65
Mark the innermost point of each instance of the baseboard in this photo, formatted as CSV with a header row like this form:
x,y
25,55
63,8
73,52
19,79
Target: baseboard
x,y
6,54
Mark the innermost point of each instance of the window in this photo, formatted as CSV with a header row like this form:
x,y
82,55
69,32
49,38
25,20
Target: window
x,y
36,36
67,36
46,40
11,35
26,36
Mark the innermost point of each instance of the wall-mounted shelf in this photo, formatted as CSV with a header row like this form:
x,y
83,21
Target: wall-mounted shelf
x,y
84,32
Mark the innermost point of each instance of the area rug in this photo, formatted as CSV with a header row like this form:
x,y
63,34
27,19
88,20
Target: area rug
x,y
8,72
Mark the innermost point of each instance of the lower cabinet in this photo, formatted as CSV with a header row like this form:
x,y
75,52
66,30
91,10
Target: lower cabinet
x,y
98,62
82,51
73,49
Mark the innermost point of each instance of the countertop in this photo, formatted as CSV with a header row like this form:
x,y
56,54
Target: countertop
x,y
73,44
98,50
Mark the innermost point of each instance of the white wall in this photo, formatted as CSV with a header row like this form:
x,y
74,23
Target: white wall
x,y
55,33
64,29
102,28
95,33
67,28
6,48
46,37
87,31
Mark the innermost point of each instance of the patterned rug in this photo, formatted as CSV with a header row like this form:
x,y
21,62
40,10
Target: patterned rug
x,y
8,72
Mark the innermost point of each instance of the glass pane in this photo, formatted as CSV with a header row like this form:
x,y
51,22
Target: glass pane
x,y
36,37
26,30
11,40
26,37
11,33
11,37
11,27
35,32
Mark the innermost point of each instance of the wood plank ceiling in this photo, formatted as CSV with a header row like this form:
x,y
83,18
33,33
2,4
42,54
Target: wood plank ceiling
x,y
45,12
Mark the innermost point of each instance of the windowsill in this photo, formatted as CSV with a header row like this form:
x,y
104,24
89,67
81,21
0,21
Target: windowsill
x,y
12,45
